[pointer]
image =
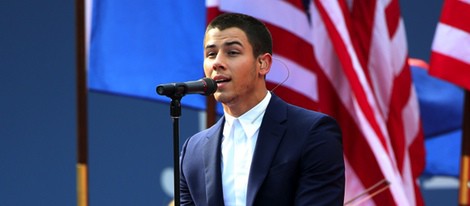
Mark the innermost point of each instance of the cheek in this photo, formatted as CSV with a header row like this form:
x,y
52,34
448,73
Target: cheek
x,y
207,73
207,69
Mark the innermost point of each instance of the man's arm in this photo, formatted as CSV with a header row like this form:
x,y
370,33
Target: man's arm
x,y
185,195
322,178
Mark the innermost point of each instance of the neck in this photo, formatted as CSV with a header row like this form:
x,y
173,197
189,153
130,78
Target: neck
x,y
237,109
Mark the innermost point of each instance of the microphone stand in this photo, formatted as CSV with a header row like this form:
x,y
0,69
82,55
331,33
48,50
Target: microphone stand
x,y
175,113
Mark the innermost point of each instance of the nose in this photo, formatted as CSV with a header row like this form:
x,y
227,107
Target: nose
x,y
217,66
219,62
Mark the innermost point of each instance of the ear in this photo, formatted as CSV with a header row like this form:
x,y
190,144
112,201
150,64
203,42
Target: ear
x,y
265,61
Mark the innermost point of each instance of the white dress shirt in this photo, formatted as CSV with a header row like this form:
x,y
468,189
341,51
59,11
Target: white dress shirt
x,y
238,145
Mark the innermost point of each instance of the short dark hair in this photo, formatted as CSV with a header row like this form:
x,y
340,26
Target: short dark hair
x,y
256,31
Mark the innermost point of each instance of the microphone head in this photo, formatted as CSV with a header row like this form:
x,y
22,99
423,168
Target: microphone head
x,y
210,86
166,89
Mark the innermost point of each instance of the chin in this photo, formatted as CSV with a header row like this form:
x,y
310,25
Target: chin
x,y
221,97
217,96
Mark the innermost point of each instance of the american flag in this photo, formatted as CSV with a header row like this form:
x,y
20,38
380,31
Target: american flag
x,y
450,56
349,59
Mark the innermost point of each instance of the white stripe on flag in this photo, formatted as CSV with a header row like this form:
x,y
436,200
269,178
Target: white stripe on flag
x,y
299,79
448,38
212,3
399,49
380,62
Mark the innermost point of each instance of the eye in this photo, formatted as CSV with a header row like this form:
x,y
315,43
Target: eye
x,y
210,54
233,52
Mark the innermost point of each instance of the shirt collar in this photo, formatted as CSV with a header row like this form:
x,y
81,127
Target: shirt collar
x,y
251,120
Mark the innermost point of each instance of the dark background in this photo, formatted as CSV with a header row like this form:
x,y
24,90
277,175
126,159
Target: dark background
x,y
130,139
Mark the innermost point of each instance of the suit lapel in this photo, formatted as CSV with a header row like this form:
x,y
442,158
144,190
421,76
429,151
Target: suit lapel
x,y
269,137
212,167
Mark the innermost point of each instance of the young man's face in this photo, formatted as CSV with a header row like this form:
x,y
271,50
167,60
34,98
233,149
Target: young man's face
x,y
228,59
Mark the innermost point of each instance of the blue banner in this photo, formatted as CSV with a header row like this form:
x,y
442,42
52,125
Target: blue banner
x,y
441,107
136,45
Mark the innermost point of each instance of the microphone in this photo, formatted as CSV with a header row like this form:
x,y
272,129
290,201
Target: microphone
x,y
204,86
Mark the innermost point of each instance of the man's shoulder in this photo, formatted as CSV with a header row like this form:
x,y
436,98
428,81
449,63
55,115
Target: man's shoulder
x,y
210,132
296,110
304,116
201,135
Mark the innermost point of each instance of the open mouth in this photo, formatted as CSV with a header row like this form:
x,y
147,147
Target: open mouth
x,y
222,80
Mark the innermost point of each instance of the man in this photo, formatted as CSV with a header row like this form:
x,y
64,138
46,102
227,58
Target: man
x,y
263,151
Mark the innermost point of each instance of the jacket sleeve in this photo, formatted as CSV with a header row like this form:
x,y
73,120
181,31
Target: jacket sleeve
x,y
322,167
185,195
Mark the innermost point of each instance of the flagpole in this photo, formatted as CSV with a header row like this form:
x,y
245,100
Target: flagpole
x,y
464,193
210,111
82,117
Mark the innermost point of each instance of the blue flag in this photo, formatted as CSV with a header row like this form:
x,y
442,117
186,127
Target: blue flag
x,y
441,107
136,45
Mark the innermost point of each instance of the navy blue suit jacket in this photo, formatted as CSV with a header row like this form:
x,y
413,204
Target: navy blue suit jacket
x,y
298,160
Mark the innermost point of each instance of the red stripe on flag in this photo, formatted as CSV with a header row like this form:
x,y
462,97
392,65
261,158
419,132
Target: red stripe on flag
x,y
457,14
363,22
418,155
392,14
292,96
400,96
450,69
295,49
212,12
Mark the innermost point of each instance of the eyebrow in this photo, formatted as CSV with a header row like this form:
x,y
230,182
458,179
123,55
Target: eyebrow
x,y
229,43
